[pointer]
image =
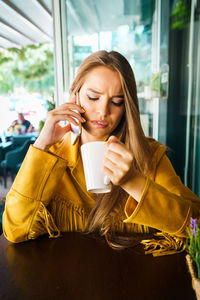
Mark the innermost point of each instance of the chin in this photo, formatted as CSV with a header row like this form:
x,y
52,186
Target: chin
x,y
99,133
98,136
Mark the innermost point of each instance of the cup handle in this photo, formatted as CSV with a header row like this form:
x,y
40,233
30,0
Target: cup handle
x,y
106,180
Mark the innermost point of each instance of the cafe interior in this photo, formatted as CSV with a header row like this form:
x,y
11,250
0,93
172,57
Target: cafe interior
x,y
161,40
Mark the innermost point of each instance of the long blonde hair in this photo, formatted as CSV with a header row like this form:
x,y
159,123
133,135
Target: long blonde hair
x,y
128,131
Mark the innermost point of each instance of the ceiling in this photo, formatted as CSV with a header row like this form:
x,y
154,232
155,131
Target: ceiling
x,y
25,22
92,16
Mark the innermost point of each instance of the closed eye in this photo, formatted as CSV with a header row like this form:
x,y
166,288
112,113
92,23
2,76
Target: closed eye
x,y
115,103
91,98
118,103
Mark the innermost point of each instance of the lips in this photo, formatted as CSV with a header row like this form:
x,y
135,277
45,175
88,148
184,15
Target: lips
x,y
99,123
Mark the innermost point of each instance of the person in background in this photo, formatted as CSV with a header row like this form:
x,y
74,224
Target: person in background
x,y
21,125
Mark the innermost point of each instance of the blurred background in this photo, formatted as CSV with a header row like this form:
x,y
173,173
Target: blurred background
x,y
43,42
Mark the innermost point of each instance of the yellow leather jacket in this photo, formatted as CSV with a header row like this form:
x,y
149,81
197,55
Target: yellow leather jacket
x,y
49,196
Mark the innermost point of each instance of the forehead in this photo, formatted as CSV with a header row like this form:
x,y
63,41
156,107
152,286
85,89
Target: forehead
x,y
102,78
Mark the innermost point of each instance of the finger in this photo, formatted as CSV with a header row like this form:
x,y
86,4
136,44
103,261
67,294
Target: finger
x,y
111,175
115,174
116,147
107,172
74,114
113,156
60,117
121,150
110,165
113,139
72,120
70,105
67,113
118,168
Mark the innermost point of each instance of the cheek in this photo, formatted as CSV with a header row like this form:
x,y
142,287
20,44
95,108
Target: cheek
x,y
87,106
84,101
118,115
88,109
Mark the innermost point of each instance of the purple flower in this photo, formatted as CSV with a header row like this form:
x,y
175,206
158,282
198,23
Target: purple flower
x,y
193,224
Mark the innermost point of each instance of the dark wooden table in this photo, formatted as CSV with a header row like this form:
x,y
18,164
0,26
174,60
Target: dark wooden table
x,y
76,266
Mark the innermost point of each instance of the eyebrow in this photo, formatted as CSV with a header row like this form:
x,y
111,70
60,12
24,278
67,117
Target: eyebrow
x,y
96,92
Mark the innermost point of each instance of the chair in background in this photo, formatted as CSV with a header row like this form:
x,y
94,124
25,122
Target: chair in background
x,y
1,213
13,160
19,140
4,147
1,158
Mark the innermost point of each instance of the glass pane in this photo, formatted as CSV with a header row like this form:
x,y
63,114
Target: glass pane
x,y
197,161
131,28
194,172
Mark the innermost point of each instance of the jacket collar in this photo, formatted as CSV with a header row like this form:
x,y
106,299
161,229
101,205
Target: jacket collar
x,y
66,150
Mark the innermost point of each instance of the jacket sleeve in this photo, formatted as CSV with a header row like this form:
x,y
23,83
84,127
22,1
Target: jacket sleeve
x,y
166,204
26,216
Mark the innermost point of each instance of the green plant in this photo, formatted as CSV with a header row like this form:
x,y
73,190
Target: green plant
x,y
30,67
50,105
41,125
180,15
193,245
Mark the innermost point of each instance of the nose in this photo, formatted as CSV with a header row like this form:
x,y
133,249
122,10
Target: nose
x,y
104,108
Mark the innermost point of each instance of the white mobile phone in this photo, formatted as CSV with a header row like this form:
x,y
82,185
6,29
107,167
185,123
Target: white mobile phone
x,y
75,129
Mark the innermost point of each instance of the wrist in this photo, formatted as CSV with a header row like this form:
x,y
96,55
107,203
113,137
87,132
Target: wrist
x,y
41,146
135,186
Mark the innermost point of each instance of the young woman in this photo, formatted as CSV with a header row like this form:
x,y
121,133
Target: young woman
x,y
49,193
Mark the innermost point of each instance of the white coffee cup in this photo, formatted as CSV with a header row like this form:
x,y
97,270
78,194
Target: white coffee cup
x,y
92,156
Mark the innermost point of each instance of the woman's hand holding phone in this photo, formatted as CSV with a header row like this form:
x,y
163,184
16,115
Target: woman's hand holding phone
x,y
52,132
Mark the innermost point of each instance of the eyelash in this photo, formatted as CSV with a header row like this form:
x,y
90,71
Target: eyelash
x,y
94,99
116,104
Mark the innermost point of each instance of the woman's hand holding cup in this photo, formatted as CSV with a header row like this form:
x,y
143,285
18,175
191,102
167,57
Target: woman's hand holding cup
x,y
119,167
118,163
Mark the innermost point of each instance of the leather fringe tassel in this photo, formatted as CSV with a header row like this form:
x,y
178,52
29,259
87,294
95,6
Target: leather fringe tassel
x,y
43,222
164,244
